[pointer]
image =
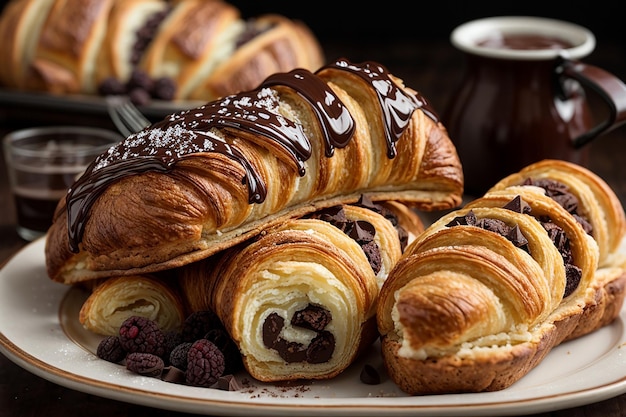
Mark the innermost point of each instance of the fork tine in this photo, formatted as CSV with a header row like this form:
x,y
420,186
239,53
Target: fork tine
x,y
126,117
119,123
133,117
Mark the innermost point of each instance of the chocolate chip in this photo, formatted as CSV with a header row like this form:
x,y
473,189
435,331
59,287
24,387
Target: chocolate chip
x,y
228,383
573,275
362,231
321,348
369,375
518,205
173,374
468,220
312,317
372,251
494,225
516,237
272,326
291,351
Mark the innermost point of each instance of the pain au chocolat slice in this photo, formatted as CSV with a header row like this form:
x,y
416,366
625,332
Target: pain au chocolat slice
x,y
205,179
300,300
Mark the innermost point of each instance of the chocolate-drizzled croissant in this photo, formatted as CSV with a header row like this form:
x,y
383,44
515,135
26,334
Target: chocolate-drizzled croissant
x,y
299,301
481,296
208,178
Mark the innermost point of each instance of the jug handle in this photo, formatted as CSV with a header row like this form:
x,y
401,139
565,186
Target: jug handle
x,y
610,89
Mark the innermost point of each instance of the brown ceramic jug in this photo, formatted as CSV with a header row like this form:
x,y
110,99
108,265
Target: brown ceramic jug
x,y
523,97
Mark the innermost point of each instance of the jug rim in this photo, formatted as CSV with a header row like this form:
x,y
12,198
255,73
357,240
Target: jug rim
x,y
466,36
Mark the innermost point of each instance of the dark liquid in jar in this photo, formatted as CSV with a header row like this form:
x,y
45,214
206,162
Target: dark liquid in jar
x,y
521,41
35,213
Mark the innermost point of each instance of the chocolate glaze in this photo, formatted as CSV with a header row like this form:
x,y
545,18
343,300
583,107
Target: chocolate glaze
x,y
160,146
336,122
397,104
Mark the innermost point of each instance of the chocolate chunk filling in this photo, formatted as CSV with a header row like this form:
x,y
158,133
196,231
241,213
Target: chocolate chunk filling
x,y
560,193
312,317
361,231
573,273
145,34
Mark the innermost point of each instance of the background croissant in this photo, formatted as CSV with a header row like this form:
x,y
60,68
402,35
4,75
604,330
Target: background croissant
x,y
184,50
486,291
205,179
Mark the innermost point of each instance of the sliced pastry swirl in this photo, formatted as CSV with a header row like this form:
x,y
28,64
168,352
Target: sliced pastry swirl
x,y
115,299
300,300
481,296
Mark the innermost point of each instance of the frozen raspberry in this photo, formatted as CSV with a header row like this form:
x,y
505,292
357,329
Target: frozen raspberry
x,y
110,349
163,89
205,364
140,334
198,324
178,357
172,339
139,79
145,364
139,96
232,356
111,86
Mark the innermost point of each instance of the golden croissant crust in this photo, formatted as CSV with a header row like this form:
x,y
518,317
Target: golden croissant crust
x,y
479,298
205,179
299,301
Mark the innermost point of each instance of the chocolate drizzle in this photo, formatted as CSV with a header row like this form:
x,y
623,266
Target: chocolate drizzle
x,y
160,146
397,104
335,120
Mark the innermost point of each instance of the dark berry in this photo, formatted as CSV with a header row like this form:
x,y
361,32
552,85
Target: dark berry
x,y
178,357
139,79
164,88
110,349
140,334
198,324
205,364
111,86
139,96
232,356
145,364
172,339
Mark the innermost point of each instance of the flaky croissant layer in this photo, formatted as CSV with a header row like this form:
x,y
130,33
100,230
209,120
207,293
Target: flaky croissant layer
x,y
481,296
205,179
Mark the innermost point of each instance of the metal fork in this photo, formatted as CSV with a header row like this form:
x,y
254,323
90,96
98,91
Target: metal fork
x,y
125,115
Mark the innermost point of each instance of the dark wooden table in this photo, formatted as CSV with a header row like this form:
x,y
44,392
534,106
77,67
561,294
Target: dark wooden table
x,y
431,67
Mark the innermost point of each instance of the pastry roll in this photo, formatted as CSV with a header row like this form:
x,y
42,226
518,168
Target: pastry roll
x,y
115,299
206,179
20,26
269,44
65,54
583,193
132,24
196,36
479,298
299,301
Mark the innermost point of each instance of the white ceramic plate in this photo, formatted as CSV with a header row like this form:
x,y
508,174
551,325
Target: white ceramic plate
x,y
40,332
